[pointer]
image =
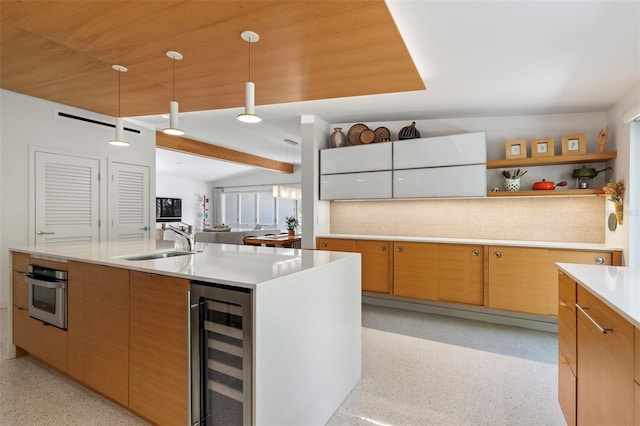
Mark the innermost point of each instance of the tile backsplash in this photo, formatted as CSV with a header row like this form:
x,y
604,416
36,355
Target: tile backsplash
x,y
557,219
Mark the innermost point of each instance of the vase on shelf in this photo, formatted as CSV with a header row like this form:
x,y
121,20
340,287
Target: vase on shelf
x,y
512,185
292,232
338,138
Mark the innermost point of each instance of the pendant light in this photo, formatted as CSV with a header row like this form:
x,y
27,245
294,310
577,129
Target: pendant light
x,y
173,105
249,115
119,140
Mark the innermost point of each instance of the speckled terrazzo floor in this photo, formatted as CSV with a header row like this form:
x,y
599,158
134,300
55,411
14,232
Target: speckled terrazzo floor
x,y
417,369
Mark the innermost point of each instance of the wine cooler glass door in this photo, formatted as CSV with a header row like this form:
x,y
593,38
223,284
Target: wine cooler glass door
x,y
221,356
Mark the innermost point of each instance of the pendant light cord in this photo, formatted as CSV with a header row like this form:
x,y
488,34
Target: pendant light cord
x,y
119,73
249,58
174,78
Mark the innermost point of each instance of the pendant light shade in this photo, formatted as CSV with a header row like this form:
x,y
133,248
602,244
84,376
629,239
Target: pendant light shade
x,y
119,140
173,128
249,115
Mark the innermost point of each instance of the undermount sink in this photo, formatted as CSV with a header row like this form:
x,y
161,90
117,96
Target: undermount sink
x,y
156,255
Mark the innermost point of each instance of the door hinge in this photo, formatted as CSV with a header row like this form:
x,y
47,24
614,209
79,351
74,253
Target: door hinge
x,y
99,223
98,176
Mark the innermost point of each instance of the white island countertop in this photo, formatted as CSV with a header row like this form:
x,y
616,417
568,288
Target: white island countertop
x,y
478,241
617,286
231,264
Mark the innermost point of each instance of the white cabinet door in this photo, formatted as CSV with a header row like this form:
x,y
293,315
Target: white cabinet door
x,y
352,186
358,158
455,181
67,202
129,202
453,150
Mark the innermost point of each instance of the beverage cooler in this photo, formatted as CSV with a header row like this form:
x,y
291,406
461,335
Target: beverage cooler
x,y
221,354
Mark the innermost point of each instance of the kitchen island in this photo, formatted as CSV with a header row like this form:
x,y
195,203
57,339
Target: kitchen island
x,y
128,327
599,344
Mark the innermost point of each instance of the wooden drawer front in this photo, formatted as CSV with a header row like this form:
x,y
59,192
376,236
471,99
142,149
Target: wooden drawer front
x,y
415,270
376,265
461,274
60,266
21,262
637,403
20,290
48,343
567,350
335,244
605,369
21,334
567,385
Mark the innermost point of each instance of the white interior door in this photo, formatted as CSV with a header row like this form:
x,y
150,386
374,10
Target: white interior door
x,y
67,202
129,202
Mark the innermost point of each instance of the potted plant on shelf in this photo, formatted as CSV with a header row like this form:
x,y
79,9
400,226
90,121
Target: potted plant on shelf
x,y
292,222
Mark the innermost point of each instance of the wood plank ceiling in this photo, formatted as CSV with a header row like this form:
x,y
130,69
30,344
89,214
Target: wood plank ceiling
x,y
308,50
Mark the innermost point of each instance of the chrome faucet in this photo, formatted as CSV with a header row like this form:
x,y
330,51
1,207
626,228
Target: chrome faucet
x,y
187,235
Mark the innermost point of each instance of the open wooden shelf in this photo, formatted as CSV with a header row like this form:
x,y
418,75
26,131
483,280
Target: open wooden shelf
x,y
595,157
547,193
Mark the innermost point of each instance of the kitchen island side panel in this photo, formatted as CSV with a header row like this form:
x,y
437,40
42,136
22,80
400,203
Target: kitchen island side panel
x,y
307,344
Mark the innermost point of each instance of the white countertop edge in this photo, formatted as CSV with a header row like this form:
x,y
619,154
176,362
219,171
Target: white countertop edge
x,y
584,276
149,266
479,241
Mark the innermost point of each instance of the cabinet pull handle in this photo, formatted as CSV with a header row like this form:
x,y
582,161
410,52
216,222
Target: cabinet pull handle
x,y
475,253
599,260
561,303
324,244
497,254
383,248
400,249
45,233
598,326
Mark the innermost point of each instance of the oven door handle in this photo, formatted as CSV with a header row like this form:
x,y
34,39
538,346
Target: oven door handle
x,y
46,284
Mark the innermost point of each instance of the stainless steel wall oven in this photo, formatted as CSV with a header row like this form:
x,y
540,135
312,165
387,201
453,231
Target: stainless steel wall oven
x,y
48,295
221,355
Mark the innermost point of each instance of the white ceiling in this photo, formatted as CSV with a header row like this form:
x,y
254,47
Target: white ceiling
x,y
477,58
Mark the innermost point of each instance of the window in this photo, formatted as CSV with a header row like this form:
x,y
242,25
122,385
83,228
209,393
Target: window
x,y
246,209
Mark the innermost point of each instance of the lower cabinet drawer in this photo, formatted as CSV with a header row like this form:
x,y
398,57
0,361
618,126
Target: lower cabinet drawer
x,y
48,343
567,393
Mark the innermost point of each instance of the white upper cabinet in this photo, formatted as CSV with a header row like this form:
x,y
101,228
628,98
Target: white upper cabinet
x,y
453,150
354,186
357,158
440,182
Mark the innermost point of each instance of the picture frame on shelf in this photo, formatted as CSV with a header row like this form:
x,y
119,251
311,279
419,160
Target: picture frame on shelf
x,y
516,149
574,144
542,147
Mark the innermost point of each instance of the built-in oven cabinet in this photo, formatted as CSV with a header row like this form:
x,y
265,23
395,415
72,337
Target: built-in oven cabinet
x,y
43,341
158,370
98,328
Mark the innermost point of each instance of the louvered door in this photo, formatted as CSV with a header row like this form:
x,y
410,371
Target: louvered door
x,y
66,199
129,203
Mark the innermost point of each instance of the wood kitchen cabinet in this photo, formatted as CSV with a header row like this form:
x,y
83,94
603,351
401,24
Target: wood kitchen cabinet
x,y
636,368
21,335
158,374
567,349
461,274
376,265
605,363
98,327
376,260
524,279
415,270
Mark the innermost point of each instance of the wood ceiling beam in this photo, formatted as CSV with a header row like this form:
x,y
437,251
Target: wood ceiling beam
x,y
190,146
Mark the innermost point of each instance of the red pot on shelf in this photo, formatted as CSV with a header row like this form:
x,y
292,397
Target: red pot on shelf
x,y
544,184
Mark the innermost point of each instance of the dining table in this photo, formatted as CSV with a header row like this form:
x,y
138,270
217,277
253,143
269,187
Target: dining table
x,y
280,240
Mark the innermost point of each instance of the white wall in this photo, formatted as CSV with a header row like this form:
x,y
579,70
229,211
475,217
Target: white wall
x,y
191,191
627,167
31,122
